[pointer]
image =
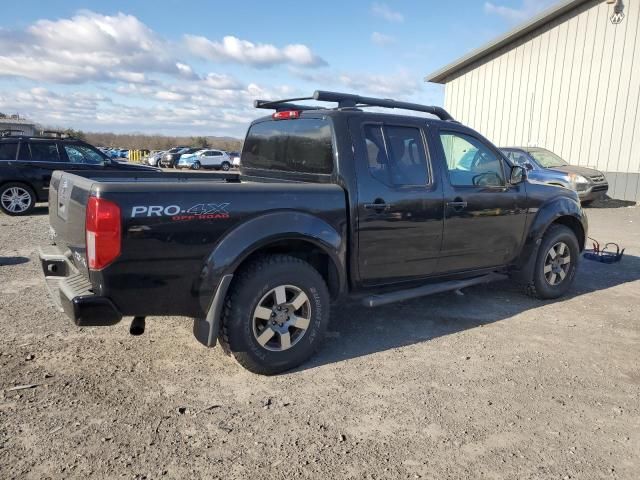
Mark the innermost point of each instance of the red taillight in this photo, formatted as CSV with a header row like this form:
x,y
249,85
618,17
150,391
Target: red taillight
x,y
286,115
103,232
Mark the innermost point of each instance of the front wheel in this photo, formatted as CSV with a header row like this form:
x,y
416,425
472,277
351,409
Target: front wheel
x,y
556,263
276,315
225,166
196,165
17,199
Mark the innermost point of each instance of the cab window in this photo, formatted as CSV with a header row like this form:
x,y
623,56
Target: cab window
x,y
396,155
471,162
304,145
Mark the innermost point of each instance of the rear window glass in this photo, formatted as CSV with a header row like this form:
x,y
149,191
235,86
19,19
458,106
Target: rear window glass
x,y
303,145
8,151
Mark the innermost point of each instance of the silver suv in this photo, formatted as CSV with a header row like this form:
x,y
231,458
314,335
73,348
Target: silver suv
x,y
545,166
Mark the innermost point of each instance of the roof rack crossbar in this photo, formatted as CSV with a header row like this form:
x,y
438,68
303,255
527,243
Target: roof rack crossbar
x,y
346,100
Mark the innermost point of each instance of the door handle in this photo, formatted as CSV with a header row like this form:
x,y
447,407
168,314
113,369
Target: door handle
x,y
458,204
378,206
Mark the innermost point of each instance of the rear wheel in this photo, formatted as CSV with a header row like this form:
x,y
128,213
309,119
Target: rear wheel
x,y
225,166
556,264
276,314
17,199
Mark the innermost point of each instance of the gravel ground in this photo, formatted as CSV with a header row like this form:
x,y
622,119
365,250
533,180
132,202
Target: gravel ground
x,y
489,384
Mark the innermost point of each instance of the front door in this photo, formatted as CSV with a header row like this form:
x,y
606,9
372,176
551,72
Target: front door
x,y
400,205
484,214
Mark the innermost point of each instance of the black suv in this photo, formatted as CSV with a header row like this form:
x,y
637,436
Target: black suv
x,y
26,165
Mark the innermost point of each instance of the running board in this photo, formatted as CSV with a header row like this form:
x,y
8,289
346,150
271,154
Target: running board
x,y
431,289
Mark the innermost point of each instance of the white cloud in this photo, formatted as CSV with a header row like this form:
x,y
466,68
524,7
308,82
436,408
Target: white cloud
x,y
235,50
86,47
401,84
527,10
383,10
381,39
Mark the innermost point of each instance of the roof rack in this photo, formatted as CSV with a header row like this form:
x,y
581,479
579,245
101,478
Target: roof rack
x,y
57,134
348,100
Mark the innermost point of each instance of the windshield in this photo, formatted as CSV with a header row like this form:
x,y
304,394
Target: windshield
x,y
547,159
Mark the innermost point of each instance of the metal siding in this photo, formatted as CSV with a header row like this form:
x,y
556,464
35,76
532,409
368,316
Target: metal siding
x,y
573,87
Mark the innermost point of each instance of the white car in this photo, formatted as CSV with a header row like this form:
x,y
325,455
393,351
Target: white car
x,y
235,159
205,159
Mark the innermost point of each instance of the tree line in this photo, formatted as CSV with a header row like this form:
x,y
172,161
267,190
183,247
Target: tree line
x,y
138,141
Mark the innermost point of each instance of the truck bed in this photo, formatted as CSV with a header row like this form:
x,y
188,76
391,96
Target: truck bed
x,y
170,225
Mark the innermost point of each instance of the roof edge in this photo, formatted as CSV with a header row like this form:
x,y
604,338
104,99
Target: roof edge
x,y
441,75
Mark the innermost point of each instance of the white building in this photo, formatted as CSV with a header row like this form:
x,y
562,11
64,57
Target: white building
x,y
18,125
568,80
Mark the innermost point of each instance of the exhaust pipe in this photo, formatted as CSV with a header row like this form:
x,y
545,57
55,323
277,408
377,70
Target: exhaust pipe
x,y
137,326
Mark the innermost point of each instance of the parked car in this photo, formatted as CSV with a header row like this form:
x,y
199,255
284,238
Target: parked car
x,y
216,159
154,158
27,163
170,159
329,203
544,166
235,159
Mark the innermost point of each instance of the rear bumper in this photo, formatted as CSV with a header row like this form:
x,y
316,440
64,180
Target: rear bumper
x,y
73,293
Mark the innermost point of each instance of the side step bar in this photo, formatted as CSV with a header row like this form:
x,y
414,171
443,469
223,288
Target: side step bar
x,y
431,289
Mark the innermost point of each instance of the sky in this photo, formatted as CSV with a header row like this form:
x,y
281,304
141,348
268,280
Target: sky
x,y
182,67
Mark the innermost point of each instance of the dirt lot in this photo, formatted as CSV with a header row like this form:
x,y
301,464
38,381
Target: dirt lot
x,y
486,385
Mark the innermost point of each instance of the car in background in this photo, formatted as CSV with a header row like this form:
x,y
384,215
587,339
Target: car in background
x,y
206,158
171,157
544,166
27,163
235,159
154,158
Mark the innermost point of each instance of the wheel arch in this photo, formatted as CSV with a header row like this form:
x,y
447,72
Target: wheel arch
x,y
557,211
300,235
297,234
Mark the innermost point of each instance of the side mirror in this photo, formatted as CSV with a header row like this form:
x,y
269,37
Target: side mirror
x,y
518,175
528,166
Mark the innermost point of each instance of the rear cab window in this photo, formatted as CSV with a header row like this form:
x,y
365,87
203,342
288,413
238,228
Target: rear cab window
x,y
303,145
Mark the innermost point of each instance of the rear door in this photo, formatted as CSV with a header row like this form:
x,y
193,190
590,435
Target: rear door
x,y
400,203
484,214
212,158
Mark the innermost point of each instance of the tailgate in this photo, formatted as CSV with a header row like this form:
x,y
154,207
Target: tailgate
x,y
68,196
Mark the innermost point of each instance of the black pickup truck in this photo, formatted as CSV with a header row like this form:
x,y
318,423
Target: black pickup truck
x,y
330,202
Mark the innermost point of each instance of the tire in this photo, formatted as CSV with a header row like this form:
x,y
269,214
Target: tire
x,y
225,166
253,318
551,278
17,199
196,165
